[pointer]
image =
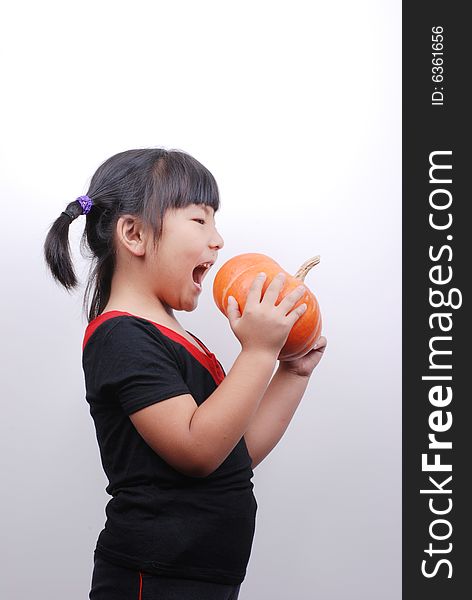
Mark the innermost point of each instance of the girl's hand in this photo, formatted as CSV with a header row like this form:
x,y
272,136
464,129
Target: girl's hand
x,y
265,325
304,365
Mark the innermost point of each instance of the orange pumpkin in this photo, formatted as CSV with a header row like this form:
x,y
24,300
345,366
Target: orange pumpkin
x,y
235,277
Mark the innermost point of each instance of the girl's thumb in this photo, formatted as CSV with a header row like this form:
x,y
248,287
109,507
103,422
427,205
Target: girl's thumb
x,y
233,308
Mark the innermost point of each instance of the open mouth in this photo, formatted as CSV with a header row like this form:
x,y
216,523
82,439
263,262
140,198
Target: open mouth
x,y
199,273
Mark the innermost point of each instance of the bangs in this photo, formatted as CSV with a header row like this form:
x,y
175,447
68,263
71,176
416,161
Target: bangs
x,y
185,181
178,180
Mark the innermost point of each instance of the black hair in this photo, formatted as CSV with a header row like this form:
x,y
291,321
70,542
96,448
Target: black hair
x,y
145,182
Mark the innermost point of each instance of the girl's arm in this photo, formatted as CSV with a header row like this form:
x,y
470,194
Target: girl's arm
x,y
274,413
197,439
280,402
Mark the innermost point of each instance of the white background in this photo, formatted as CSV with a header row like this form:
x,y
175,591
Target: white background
x,y
295,109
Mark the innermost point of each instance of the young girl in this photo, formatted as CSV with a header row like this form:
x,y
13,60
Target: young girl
x,y
178,437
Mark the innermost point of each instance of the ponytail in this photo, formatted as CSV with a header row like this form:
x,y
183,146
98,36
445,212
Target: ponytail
x,y
57,247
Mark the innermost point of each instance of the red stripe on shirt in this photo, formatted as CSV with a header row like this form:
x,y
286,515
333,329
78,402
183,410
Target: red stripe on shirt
x,y
208,360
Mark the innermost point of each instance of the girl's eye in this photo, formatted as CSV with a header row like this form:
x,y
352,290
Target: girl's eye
x,y
202,220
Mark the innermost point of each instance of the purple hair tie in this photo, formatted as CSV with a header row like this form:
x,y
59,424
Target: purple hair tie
x,y
86,204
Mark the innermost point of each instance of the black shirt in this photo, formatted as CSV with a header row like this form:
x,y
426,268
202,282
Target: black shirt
x,y
158,519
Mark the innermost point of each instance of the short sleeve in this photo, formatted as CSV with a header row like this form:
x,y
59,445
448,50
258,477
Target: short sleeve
x,y
137,366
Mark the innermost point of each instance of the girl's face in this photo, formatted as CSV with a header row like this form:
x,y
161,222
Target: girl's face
x,y
189,238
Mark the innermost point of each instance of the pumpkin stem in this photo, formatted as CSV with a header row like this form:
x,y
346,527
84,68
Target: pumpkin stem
x,y
306,266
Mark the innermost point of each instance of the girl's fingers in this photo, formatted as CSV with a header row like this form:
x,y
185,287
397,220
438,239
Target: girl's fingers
x,y
273,292
233,308
320,343
290,299
274,288
255,291
296,313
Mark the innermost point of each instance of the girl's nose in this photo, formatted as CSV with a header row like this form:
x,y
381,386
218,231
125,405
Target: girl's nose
x,y
218,242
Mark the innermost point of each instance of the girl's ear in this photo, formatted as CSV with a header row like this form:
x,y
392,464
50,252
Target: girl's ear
x,y
131,235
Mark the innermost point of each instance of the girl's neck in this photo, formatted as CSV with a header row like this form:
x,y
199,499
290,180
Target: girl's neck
x,y
160,315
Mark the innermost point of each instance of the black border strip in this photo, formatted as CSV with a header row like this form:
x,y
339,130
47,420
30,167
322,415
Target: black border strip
x,y
435,271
